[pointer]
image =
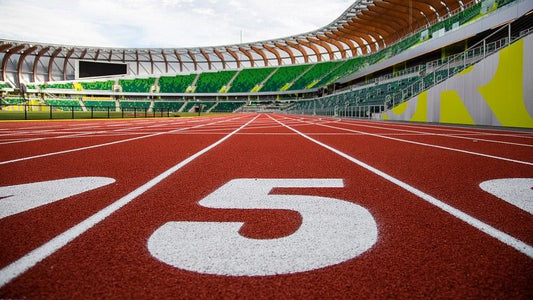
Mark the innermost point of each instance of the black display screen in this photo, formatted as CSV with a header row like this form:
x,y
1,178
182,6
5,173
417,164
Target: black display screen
x,y
98,69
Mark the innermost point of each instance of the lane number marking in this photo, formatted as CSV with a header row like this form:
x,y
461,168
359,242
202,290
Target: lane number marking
x,y
515,191
332,232
23,197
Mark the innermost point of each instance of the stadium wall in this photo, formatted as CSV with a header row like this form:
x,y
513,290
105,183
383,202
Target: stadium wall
x,y
497,91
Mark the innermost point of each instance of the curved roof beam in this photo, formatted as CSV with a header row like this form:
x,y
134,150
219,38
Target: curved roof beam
x,y
221,57
5,47
300,49
204,54
365,35
390,27
383,28
324,45
334,42
8,54
288,51
275,52
65,63
21,62
403,16
364,41
339,38
312,47
249,55
349,41
440,7
51,62
191,55
178,57
235,56
396,19
425,8
36,61
165,60
261,53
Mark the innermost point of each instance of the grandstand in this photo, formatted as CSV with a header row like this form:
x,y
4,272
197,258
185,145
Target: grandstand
x,y
346,64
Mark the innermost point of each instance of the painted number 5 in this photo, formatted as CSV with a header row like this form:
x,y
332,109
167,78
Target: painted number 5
x,y
332,231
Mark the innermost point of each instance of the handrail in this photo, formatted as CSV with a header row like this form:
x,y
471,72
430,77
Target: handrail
x,y
461,60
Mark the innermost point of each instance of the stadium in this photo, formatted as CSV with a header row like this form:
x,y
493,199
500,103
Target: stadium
x,y
388,154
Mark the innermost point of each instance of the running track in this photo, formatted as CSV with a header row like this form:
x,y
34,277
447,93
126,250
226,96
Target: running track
x,y
264,206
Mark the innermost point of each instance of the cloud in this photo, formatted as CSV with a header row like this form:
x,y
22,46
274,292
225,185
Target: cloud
x,y
162,23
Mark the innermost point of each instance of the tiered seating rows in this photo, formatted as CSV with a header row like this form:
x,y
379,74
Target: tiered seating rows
x,y
213,82
249,78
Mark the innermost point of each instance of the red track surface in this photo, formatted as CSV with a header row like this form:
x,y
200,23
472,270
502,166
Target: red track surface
x,y
421,251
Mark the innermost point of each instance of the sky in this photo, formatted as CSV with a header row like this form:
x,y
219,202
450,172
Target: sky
x,y
162,23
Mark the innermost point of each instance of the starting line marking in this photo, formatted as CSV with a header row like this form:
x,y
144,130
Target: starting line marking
x,y
29,260
491,231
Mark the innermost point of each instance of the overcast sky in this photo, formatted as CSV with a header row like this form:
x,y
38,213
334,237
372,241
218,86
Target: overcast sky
x,y
162,23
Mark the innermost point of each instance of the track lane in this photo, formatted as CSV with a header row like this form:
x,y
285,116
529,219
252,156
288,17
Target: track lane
x,y
512,153
447,175
130,165
15,153
418,255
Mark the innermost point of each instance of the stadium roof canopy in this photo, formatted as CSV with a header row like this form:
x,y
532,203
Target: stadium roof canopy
x,y
366,26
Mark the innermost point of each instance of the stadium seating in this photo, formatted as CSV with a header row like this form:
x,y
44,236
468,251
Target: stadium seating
x,y
224,106
249,78
135,104
99,105
191,104
313,76
283,77
64,104
171,105
209,82
175,84
137,85
14,100
97,85
63,86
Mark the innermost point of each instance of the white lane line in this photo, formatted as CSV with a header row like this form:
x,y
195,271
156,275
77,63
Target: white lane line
x,y
45,138
470,130
427,145
107,144
456,136
491,231
29,260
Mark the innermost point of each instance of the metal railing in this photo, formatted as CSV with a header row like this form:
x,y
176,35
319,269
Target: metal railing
x,y
457,63
357,112
23,111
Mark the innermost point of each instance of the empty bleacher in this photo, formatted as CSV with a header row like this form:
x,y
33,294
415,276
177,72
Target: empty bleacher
x,y
137,85
248,79
64,104
170,105
135,104
224,106
97,85
283,77
175,84
212,82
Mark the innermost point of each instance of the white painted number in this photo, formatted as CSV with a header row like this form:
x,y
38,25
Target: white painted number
x,y
23,197
515,191
332,231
